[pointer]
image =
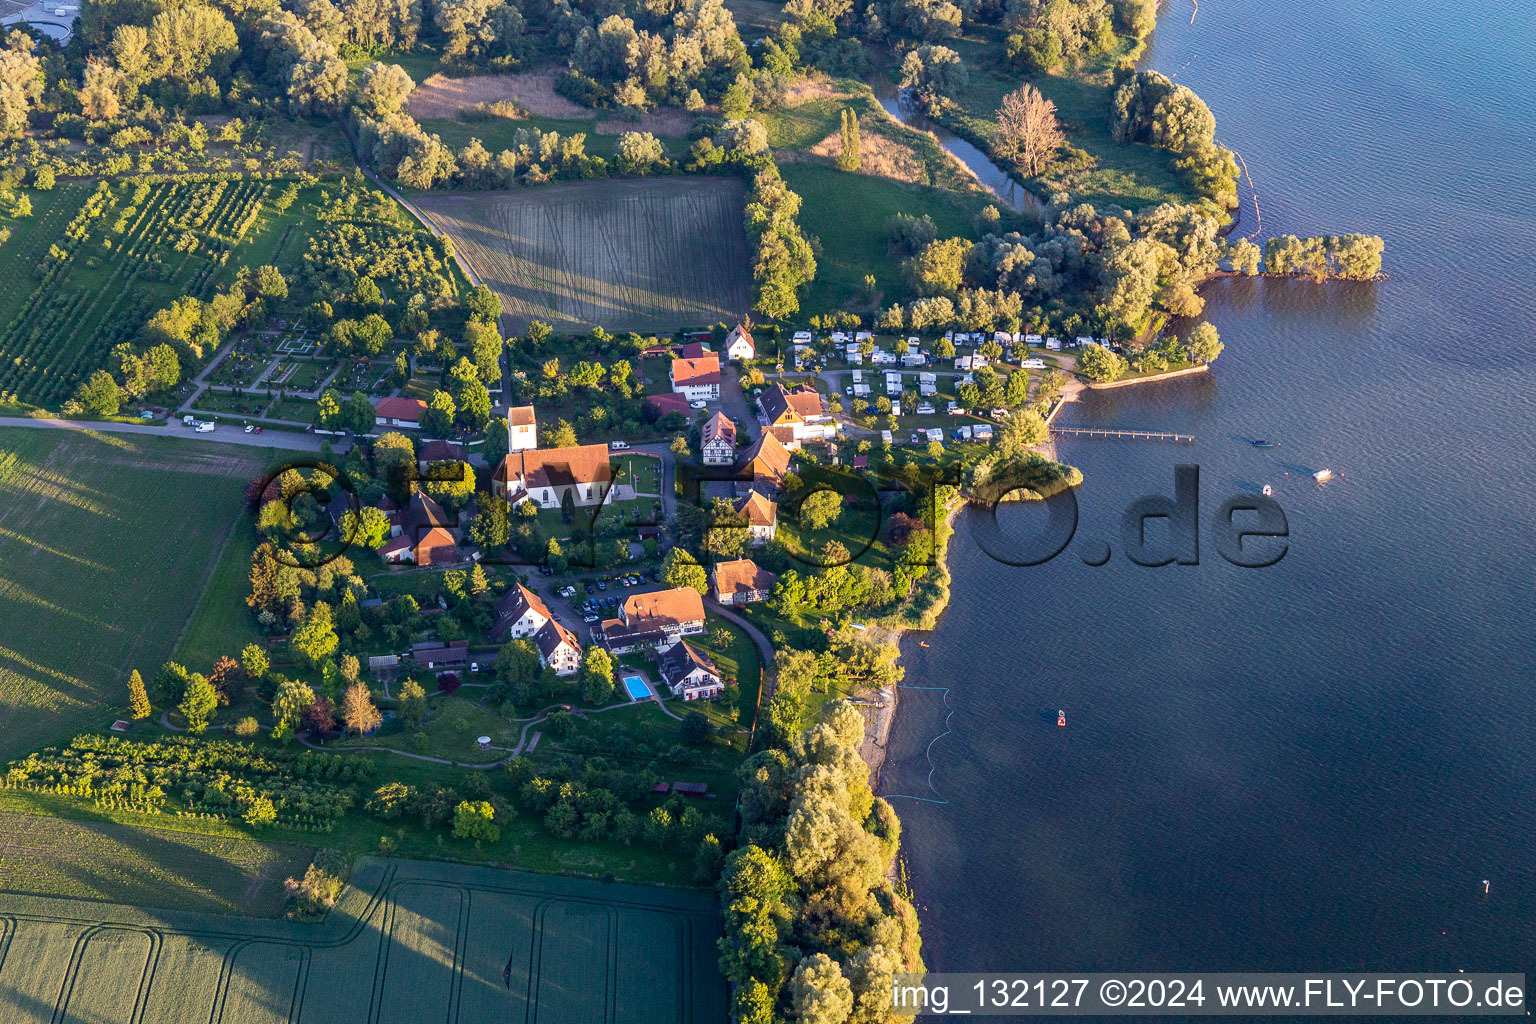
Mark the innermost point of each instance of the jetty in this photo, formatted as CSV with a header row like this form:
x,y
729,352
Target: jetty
x,y
1122,435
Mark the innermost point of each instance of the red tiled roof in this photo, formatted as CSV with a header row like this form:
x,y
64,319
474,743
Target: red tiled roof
x,y
667,403
681,604
520,416
742,576
702,370
758,509
557,467
409,409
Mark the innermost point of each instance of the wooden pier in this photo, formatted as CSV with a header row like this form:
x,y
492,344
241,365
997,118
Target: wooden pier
x,y
1123,435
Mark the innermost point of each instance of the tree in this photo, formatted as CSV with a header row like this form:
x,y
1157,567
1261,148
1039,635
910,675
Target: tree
x,y
357,709
382,89
820,509
1244,256
198,703
1204,343
255,663
485,345
819,993
848,136
1023,429
596,676
260,811
320,716
935,73
289,705
1027,130
316,638
491,528
475,819
437,418
680,569
99,395
695,729
138,699
412,703
1100,364
561,435
639,152
368,526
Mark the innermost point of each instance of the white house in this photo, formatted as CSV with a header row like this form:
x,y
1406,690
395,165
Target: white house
x,y
795,414
761,514
697,379
522,429
739,344
520,613
690,673
717,441
399,412
558,649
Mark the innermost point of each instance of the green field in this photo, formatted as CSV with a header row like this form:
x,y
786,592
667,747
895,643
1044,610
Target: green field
x,y
100,860
408,942
644,255
106,542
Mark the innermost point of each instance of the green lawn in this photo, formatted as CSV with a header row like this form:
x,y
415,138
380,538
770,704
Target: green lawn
x,y
221,624
740,661
850,215
106,544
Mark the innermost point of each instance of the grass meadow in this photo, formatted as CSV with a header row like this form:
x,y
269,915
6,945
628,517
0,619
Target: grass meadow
x,y
644,255
106,543
407,942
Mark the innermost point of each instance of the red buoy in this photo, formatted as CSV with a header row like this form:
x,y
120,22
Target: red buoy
x,y
1061,719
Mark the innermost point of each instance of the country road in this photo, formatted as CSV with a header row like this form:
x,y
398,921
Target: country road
x,y
222,435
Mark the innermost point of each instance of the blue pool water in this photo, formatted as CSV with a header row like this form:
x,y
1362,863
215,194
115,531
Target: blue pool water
x,y
638,688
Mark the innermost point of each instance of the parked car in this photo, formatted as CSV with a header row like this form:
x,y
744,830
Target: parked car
x,y
257,430
589,617
617,446
602,584
250,427
697,405
588,586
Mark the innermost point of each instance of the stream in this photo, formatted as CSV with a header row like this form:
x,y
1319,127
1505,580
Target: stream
x,y
1009,192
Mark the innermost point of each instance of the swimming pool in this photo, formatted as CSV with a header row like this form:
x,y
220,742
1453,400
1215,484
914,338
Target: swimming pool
x,y
638,688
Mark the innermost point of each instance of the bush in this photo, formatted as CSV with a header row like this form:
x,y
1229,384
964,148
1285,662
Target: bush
x,y
314,894
474,819
448,682
247,728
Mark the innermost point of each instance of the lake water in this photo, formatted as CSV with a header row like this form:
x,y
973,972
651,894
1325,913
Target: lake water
x,y
1311,766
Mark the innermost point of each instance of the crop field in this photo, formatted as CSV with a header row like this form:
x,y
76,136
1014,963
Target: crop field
x,y
106,542
625,255
99,860
94,264
407,942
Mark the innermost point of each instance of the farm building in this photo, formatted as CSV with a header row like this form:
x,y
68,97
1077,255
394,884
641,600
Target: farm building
x,y
663,404
438,656
697,380
437,451
763,465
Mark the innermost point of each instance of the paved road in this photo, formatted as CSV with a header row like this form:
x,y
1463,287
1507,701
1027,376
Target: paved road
x,y
223,435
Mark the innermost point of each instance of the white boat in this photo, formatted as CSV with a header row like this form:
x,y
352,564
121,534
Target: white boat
x,y
1268,490
1322,474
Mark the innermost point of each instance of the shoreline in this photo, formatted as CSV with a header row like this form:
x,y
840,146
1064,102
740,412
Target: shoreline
x,y
1164,375
877,727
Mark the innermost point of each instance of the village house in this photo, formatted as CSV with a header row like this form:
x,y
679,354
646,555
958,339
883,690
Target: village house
x,y
656,620
717,441
739,345
399,412
762,465
438,657
794,415
740,582
558,649
428,535
664,404
698,379
522,429
761,514
548,475
519,613
690,673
